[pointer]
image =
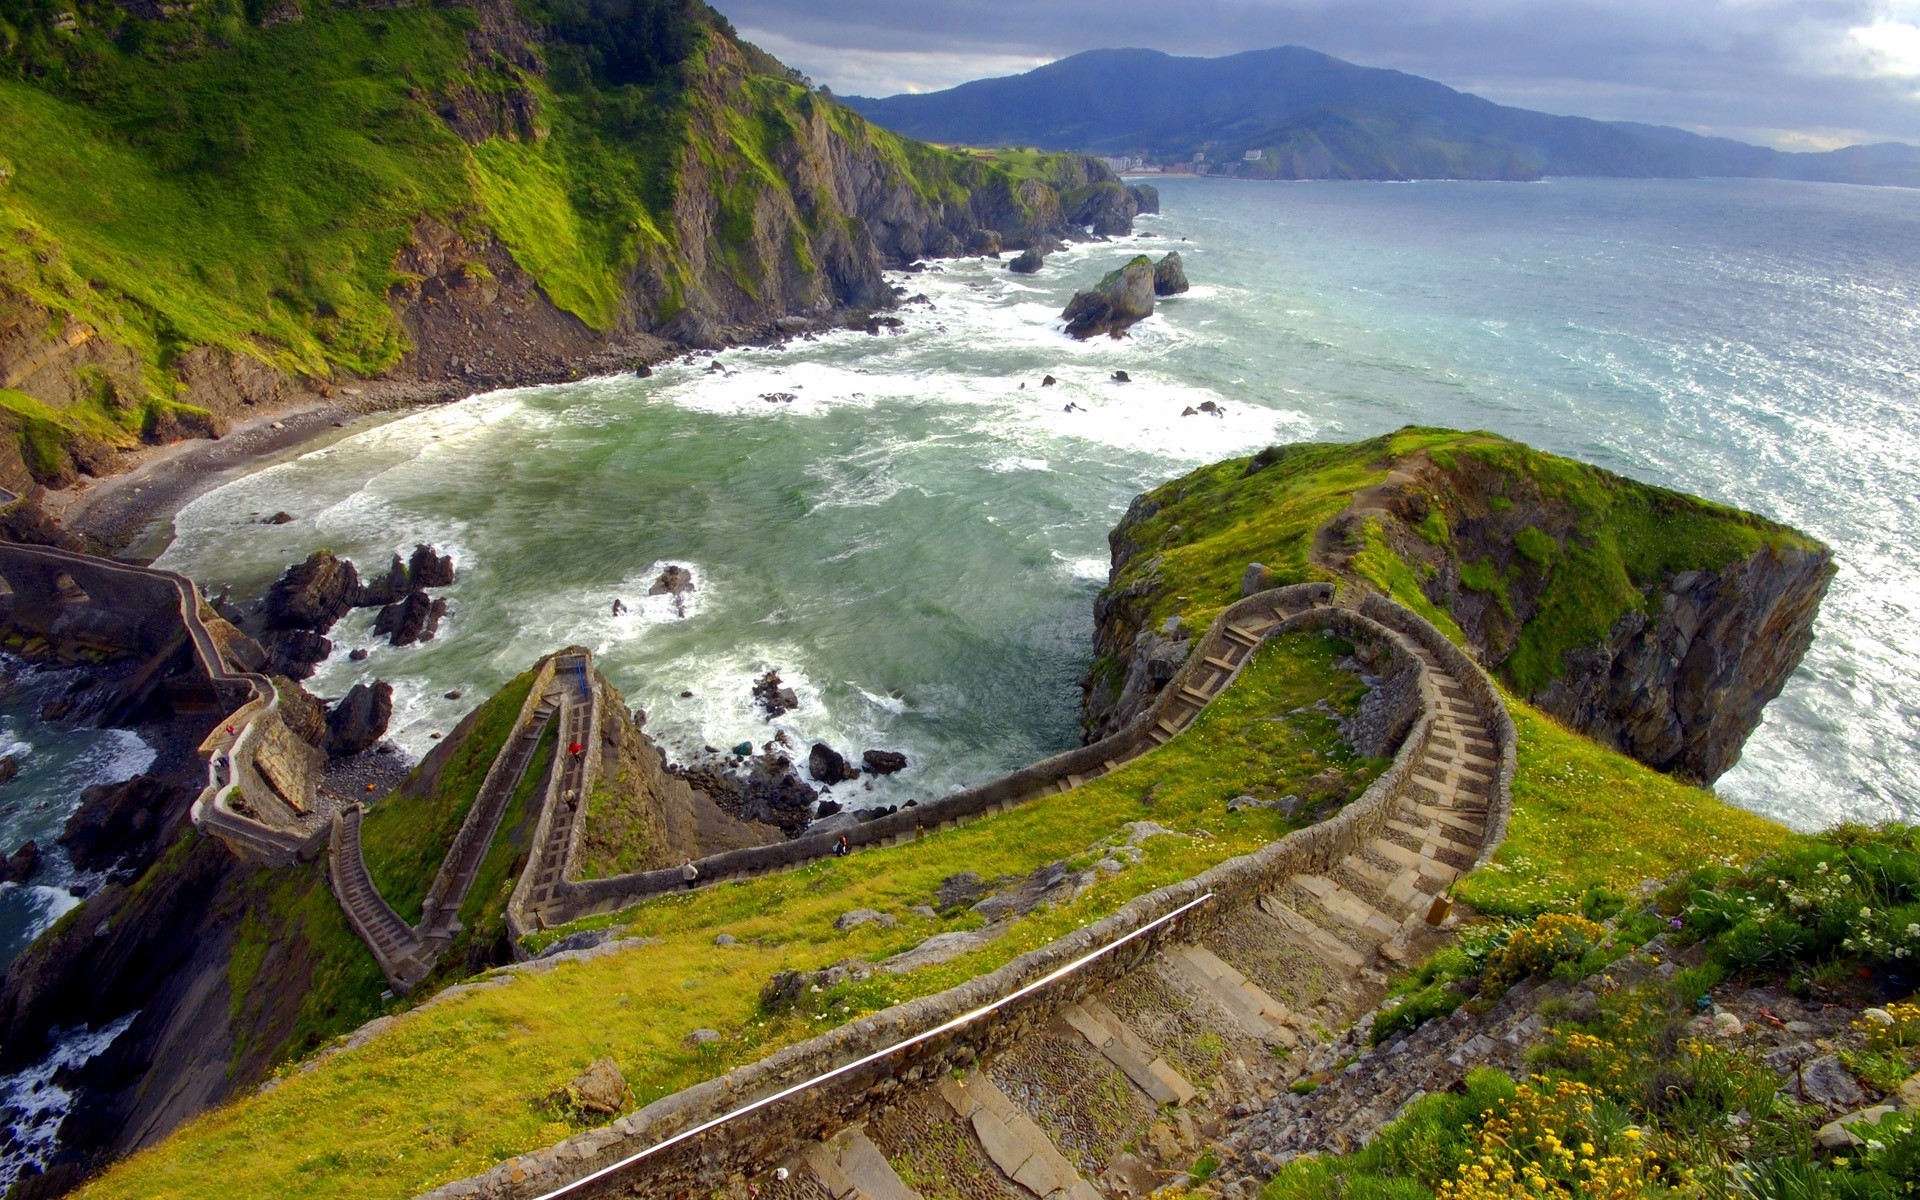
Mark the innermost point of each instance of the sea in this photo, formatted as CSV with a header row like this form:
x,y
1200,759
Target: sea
x,y
910,529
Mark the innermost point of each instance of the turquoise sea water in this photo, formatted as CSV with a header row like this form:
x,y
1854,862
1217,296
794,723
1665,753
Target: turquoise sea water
x,y
915,539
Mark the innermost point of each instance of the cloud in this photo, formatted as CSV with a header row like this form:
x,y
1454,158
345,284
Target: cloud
x,y
877,72
1893,46
1790,72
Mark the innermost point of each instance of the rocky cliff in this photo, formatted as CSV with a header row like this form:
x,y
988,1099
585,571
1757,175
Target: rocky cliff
x,y
209,217
232,971
1656,623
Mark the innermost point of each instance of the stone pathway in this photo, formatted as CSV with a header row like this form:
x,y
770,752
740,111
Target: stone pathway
x,y
1127,1089
1120,1094
407,954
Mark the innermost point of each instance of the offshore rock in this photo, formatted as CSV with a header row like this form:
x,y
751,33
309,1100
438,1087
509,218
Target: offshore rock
x,y
1146,197
1028,262
313,594
380,591
674,581
414,619
360,719
884,762
1169,276
1120,300
828,765
429,568
294,652
19,866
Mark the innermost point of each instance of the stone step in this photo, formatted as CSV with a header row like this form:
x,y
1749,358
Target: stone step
x,y
1453,819
1332,949
1118,1044
1251,1008
1434,837
1343,905
851,1167
1223,664
1020,1148
1245,637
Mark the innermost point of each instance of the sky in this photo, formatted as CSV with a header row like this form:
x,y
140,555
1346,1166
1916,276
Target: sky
x,y
1795,74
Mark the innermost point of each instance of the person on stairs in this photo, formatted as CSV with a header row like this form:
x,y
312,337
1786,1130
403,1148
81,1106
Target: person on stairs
x,y
689,874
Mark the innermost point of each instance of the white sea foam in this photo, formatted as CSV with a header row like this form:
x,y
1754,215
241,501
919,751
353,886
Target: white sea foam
x,y
34,1106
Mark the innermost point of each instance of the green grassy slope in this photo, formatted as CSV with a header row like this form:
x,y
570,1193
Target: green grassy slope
x,y
1619,536
454,1088
224,177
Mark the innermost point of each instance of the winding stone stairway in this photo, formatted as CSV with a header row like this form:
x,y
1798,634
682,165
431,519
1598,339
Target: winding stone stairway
x,y
407,953
1124,1090
1113,1082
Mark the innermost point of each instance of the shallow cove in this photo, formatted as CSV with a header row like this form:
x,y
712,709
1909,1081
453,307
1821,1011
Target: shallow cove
x,y
913,539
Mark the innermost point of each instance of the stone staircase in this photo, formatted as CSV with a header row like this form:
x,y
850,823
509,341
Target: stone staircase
x,y
396,947
1123,1091
407,954
1113,1086
561,822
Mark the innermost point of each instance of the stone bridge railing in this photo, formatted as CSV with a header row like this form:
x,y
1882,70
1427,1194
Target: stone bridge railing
x,y
576,899
845,1074
259,775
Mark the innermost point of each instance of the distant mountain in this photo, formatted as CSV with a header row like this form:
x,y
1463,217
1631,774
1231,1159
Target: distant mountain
x,y
1293,113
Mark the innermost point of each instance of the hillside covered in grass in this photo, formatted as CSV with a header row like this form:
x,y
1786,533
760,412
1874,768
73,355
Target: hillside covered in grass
x,y
1658,623
207,208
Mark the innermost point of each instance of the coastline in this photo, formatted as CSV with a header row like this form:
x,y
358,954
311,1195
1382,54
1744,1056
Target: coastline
x,y
123,515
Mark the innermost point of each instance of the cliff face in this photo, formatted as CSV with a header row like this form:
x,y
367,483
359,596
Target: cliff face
x,y
205,220
234,971
641,816
1656,623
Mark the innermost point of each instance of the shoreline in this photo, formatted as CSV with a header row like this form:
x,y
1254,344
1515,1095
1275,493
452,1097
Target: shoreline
x,y
122,515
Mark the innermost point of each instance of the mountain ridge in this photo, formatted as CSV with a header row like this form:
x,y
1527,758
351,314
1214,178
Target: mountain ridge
x,y
1293,113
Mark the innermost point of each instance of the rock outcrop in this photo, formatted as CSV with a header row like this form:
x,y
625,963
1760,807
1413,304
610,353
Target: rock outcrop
x,y
313,594
1169,275
1028,262
1114,305
359,720
1686,622
1678,679
121,827
294,653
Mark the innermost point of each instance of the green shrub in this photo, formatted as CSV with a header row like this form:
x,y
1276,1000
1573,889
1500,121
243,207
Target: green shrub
x,y
1536,949
1848,895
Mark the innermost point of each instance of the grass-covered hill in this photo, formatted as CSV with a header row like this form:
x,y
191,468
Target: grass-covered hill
x,y
1659,623
447,1090
209,206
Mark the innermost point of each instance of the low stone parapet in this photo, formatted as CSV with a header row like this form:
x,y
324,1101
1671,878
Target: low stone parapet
x,y
693,1141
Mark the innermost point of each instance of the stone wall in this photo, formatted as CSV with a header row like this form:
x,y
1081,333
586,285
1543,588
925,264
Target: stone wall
x,y
1480,688
582,899
64,596
848,1073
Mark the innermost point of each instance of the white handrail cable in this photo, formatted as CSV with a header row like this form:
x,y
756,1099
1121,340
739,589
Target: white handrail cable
x,y
964,1019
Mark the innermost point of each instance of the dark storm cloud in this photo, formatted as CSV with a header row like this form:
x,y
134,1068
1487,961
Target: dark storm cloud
x,y
1791,72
